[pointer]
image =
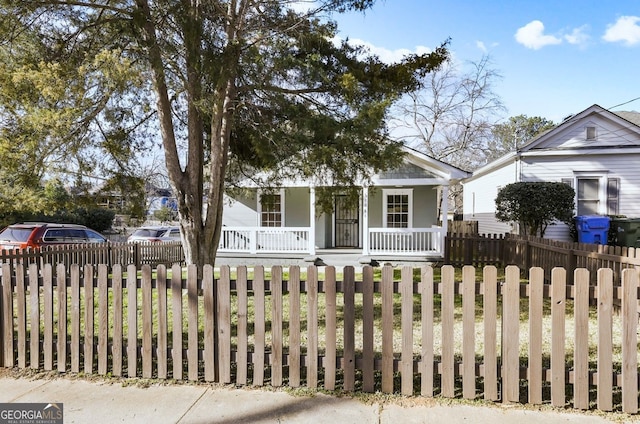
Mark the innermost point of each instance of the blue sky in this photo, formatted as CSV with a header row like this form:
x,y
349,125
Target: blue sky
x,y
555,58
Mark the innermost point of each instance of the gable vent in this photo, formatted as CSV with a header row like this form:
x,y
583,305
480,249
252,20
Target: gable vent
x,y
591,133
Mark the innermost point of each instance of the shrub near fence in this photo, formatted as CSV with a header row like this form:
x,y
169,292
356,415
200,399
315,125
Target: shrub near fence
x,y
508,341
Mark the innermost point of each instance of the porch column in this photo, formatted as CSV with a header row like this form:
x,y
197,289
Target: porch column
x,y
445,214
312,220
365,220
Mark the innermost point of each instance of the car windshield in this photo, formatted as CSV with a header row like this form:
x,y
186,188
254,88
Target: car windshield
x,y
15,234
94,237
149,232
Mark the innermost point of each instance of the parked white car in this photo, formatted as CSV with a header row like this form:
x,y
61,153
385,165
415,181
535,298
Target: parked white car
x,y
155,234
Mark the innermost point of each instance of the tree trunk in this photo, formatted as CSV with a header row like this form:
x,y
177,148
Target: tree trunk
x,y
200,225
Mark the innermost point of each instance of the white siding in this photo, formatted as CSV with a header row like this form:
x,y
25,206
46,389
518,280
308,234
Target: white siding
x,y
240,212
488,224
558,231
479,199
623,167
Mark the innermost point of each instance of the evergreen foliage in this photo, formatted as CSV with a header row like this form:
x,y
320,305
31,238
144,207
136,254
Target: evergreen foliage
x,y
535,205
235,90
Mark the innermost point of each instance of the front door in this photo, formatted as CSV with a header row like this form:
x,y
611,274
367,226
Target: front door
x,y
347,223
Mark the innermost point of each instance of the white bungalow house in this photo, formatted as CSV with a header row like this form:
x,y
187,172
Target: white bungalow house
x,y
398,214
596,151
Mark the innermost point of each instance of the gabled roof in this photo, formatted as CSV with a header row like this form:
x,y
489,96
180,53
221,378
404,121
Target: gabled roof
x,y
562,138
438,166
633,117
557,138
419,169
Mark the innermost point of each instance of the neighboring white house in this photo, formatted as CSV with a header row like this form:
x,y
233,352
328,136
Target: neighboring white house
x,y
398,214
596,151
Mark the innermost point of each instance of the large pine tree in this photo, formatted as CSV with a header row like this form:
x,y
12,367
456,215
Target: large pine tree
x,y
238,85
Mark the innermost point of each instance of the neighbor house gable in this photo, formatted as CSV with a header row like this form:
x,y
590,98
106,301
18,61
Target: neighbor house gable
x,y
613,130
593,128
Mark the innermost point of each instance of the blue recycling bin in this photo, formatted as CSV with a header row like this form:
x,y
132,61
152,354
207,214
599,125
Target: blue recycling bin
x,y
592,228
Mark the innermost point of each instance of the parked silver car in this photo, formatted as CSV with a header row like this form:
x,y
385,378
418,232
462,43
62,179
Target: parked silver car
x,y
155,234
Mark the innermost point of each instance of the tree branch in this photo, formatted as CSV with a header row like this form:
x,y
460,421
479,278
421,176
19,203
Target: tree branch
x,y
91,5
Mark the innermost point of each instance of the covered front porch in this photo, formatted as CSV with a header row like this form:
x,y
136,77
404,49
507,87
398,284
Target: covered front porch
x,y
399,212
385,221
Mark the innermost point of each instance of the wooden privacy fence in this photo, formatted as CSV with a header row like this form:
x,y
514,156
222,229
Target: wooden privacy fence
x,y
407,331
529,251
462,227
474,249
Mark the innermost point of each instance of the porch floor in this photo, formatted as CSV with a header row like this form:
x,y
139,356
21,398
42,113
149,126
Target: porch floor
x,y
323,257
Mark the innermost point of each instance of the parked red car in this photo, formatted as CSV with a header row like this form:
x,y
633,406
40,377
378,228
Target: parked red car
x,y
37,234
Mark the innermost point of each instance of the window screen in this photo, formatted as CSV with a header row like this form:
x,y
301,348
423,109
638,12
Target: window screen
x,y
588,199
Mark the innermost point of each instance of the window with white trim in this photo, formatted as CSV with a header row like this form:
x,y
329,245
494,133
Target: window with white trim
x,y
588,200
596,194
397,207
271,209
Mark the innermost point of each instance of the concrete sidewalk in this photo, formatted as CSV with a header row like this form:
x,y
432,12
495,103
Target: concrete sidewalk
x,y
112,402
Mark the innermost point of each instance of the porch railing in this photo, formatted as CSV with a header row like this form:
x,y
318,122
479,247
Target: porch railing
x,y
387,241
406,241
266,240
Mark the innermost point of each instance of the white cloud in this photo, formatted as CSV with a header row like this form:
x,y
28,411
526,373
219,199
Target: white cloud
x,y
626,30
484,48
578,36
532,36
386,55
302,6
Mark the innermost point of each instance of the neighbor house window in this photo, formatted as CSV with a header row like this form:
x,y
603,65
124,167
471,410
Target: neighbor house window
x,y
591,133
588,196
397,208
271,209
595,194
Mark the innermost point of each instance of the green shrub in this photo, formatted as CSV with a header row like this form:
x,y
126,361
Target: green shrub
x,y
535,205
